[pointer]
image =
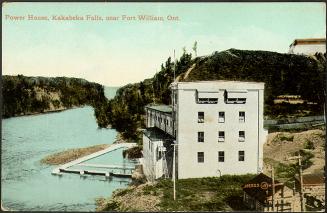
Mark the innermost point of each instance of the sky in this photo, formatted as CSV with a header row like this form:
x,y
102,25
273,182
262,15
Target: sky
x,y
115,53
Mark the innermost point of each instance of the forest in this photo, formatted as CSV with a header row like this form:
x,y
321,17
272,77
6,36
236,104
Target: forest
x,y
23,95
283,74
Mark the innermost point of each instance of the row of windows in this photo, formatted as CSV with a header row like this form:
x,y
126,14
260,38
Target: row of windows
x,y
221,136
160,120
227,100
221,117
221,156
207,100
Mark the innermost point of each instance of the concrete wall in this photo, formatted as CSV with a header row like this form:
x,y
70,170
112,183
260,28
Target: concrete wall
x,y
188,128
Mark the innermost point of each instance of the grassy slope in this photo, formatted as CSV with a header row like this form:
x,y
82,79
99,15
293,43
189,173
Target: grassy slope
x,y
196,194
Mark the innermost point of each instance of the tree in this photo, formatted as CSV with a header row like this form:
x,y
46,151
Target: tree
x,y
184,50
195,47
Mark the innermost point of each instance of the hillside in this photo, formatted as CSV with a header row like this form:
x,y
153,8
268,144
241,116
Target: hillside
x,y
195,194
223,193
282,145
24,95
282,73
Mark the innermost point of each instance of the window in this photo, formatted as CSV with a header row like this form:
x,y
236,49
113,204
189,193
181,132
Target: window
x,y
221,117
241,136
207,100
242,117
241,155
221,156
200,157
157,154
221,136
200,136
235,97
200,117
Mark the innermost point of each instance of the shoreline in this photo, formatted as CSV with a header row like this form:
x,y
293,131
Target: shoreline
x,y
72,154
44,112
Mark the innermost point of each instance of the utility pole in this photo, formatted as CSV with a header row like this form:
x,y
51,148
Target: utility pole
x,y
303,209
174,170
174,64
273,188
174,126
301,184
324,107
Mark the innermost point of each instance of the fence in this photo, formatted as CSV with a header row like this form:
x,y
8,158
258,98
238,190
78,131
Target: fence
x,y
294,123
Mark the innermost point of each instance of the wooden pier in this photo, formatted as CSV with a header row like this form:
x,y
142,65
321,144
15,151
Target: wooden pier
x,y
65,168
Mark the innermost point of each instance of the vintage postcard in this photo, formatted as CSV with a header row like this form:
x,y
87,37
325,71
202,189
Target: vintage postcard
x,y
163,106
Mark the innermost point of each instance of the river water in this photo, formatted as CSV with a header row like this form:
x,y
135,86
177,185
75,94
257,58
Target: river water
x,y
26,184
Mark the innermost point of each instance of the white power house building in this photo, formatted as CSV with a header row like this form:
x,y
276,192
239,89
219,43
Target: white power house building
x,y
217,126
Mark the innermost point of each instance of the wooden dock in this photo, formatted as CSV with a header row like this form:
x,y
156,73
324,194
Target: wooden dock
x,y
79,162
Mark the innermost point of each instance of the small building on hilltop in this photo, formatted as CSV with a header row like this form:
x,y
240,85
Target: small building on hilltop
x,y
309,46
216,127
258,195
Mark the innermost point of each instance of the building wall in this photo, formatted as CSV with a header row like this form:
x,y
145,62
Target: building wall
x,y
159,119
188,128
153,167
307,49
285,201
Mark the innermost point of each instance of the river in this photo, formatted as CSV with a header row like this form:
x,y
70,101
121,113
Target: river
x,y
26,184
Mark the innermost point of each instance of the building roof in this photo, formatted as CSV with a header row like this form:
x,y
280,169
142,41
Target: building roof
x,y
313,179
217,81
160,108
156,134
217,85
260,187
309,41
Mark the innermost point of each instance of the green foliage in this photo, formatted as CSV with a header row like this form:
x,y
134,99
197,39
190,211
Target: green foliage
x,y
134,152
202,194
283,110
282,74
26,95
309,144
306,158
111,206
122,192
286,137
288,171
285,171
126,110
